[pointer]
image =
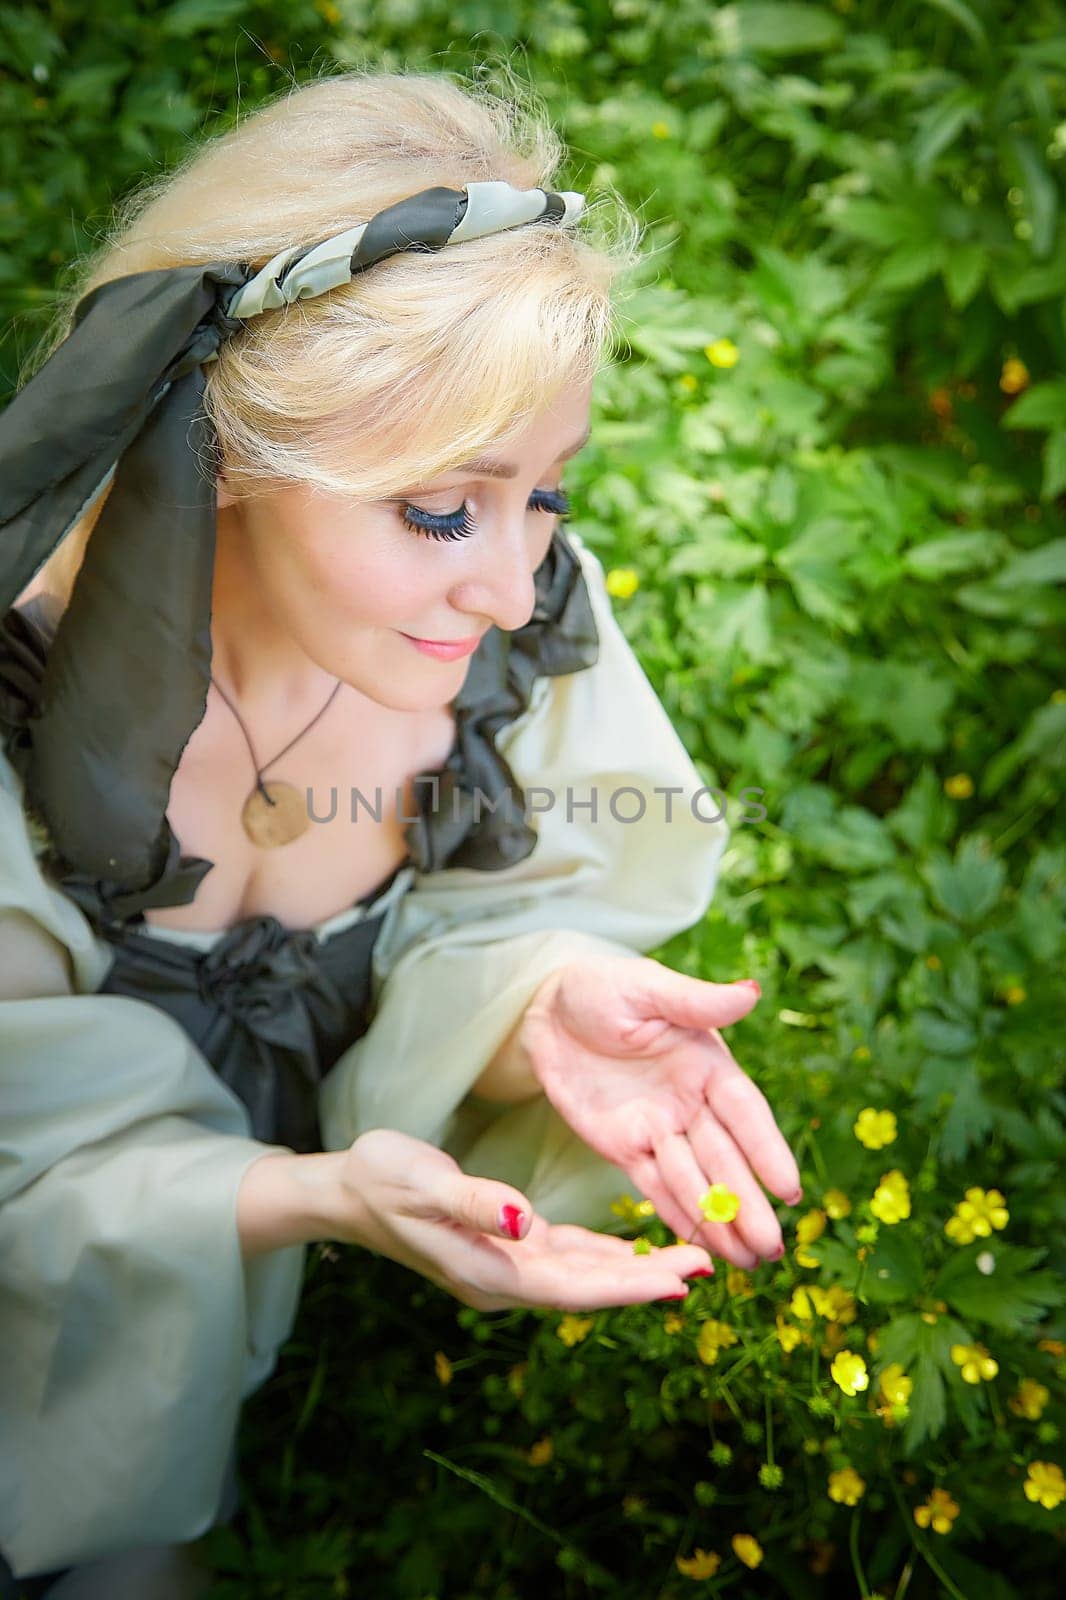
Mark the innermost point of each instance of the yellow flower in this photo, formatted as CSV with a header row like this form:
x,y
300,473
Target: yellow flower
x,y
801,1305
1052,1347
835,1304
975,1362
516,1379
719,1204
1045,1485
849,1372
722,353
875,1129
622,582
688,382
443,1367
660,130
632,1210
805,1257
836,1203
811,1226
641,1247
1014,994
571,1330
329,12
747,1548
788,1337
895,1385
539,1454
1030,1400
938,1512
977,1215
959,786
700,1564
846,1487
673,1322
861,1052
737,1282
891,1200
714,1337
1014,377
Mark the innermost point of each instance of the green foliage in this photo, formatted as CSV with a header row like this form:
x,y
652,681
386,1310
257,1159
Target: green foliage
x,y
832,448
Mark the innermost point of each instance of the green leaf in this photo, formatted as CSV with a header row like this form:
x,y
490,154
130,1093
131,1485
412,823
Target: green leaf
x,y
1011,1296
766,28
188,17
1045,564
1054,464
954,552
964,15
968,887
970,1118
1042,406
894,1268
964,272
940,125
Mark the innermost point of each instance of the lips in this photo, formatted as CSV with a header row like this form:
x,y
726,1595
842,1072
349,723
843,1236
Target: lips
x,y
449,644
450,650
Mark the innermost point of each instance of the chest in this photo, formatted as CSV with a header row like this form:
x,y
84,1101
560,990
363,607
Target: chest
x,y
360,775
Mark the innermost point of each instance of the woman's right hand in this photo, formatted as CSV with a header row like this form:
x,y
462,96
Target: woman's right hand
x,y
412,1202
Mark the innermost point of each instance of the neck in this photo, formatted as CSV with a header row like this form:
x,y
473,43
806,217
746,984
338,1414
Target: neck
x,y
254,658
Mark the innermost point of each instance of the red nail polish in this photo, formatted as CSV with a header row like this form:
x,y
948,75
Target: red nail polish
x,y
701,1272
682,1296
511,1220
775,1255
750,984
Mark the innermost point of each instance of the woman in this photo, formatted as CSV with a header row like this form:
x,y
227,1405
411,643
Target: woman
x,y
275,567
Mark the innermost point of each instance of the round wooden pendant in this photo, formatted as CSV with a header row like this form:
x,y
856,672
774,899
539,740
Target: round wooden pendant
x,y
276,821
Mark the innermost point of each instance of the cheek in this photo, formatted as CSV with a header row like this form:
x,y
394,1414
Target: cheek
x,y
367,579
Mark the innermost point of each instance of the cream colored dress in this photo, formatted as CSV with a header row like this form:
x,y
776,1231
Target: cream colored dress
x,y
131,1327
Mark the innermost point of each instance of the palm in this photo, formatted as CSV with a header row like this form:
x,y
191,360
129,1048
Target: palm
x,y
664,1100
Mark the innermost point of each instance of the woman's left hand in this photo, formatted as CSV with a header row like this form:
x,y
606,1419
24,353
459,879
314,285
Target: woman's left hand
x,y
628,1052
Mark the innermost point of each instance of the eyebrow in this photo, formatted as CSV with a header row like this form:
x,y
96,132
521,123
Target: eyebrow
x,y
507,469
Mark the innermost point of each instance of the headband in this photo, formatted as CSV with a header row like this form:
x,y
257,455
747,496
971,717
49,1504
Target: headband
x,y
120,402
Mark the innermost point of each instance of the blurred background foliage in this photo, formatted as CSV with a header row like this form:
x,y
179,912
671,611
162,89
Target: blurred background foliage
x,y
827,477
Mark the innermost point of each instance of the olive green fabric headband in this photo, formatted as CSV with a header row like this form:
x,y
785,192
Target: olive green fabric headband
x,y
120,402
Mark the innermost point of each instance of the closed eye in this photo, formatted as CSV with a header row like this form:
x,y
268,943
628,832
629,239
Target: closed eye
x,y
460,524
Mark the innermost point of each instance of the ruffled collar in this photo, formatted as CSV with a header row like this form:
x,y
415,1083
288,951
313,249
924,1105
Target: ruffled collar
x,y
469,811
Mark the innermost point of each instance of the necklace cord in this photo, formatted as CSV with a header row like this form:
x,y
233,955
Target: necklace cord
x,y
259,770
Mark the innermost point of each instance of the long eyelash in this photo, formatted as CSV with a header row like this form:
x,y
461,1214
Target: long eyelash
x,y
460,524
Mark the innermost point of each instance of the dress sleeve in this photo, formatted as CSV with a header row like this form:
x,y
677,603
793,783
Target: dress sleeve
x,y
619,866
131,1327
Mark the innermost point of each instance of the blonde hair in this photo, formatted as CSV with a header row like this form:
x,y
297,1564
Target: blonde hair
x,y
473,339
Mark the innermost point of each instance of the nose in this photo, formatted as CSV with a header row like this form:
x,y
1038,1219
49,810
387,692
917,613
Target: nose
x,y
498,583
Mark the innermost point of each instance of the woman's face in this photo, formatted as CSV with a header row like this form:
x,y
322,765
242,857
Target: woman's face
x,y
352,585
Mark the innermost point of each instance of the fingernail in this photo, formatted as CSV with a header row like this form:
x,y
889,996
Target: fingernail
x,y
775,1255
751,984
511,1220
794,1199
701,1272
682,1296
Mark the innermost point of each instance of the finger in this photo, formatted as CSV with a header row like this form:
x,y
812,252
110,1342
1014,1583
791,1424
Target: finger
x,y
690,1002
744,1110
683,1258
689,1181
716,1151
482,1204
684,1216
538,1274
